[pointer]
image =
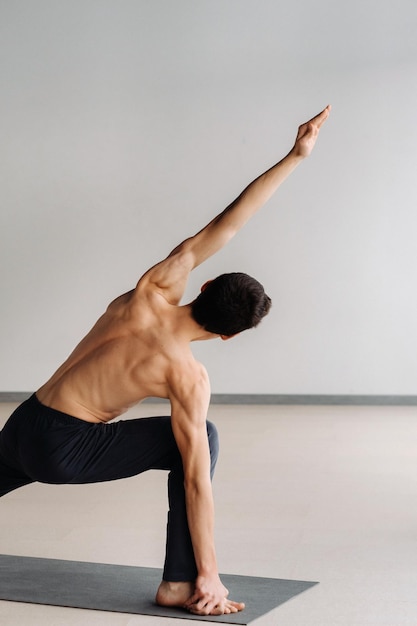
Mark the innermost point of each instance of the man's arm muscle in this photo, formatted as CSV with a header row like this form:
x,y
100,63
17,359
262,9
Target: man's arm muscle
x,y
171,274
189,404
223,227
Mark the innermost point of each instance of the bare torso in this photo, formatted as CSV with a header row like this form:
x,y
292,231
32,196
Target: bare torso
x,y
127,356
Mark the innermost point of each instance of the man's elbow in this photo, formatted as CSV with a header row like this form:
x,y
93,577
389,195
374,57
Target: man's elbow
x,y
195,487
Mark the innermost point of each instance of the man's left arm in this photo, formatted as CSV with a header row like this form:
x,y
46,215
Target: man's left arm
x,y
189,404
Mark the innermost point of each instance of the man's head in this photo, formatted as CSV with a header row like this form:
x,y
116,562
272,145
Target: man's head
x,y
230,303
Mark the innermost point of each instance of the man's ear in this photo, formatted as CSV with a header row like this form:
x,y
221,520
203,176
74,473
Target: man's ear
x,y
226,337
206,284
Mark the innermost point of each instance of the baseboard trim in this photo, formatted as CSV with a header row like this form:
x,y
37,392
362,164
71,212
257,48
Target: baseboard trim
x,y
271,399
315,399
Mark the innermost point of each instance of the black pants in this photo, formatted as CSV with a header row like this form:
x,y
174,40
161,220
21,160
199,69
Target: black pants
x,y
44,445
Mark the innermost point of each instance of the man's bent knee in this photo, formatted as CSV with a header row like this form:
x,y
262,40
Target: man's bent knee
x,y
213,439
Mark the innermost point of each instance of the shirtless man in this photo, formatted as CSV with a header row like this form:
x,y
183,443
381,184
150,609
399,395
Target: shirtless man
x,y
140,347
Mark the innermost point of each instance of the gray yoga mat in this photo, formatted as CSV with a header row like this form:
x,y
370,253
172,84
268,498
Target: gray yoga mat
x,y
127,589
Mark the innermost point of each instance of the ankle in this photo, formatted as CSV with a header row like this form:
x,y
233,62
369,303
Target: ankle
x,y
174,585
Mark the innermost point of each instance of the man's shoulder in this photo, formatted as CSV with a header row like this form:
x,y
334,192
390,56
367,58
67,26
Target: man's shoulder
x,y
187,368
188,378
169,277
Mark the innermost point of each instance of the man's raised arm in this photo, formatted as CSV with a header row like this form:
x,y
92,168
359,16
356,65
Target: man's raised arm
x,y
223,227
171,274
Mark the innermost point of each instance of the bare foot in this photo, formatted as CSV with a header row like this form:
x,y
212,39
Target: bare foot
x,y
174,594
177,594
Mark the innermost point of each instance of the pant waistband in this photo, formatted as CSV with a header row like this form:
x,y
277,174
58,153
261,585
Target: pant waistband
x,y
49,412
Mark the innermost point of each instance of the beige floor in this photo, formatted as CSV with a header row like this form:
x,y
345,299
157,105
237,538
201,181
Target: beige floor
x,y
311,493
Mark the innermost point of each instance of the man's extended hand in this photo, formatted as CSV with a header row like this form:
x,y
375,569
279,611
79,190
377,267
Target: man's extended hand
x,y
210,598
308,133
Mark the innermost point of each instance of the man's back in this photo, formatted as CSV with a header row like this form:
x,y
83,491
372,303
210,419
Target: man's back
x,y
128,355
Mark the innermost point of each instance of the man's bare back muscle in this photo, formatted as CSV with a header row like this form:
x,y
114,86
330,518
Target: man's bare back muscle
x,y
137,349
140,347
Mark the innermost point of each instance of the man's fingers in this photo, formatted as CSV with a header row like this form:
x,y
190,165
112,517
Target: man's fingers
x,y
205,608
307,129
208,610
319,119
192,600
225,608
200,604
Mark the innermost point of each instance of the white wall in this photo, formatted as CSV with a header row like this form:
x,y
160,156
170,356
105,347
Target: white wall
x,y
127,124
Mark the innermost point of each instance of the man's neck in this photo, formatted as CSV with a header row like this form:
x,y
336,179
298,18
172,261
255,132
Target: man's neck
x,y
192,329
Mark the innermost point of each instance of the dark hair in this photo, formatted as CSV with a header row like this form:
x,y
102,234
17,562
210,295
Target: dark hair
x,y
231,303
